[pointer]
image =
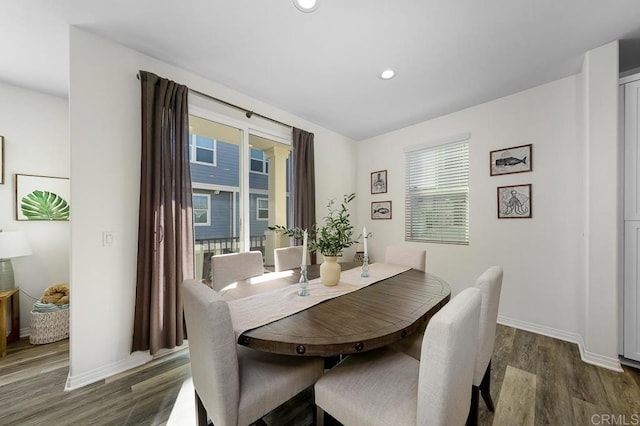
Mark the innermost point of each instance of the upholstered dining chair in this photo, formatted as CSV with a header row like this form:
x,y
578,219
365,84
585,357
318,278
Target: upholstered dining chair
x,y
229,268
490,286
288,258
385,387
235,385
406,256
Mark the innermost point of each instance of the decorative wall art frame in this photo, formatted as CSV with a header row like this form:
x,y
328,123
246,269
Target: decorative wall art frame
x,y
381,210
514,202
1,159
516,159
42,198
379,182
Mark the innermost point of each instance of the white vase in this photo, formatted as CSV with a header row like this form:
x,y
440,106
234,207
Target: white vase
x,y
330,271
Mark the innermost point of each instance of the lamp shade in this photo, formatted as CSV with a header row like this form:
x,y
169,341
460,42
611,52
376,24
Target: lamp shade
x,y
13,244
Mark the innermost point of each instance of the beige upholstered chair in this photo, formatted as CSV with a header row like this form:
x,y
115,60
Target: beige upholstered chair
x,y
386,387
235,385
406,256
490,286
288,258
229,268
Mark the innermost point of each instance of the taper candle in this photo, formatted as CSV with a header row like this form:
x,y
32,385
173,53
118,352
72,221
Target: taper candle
x,y
364,232
304,248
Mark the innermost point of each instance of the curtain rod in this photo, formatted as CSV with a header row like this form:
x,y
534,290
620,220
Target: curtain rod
x,y
248,113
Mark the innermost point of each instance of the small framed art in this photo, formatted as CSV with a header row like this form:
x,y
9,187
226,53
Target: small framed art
x,y
379,182
42,198
381,210
516,159
514,202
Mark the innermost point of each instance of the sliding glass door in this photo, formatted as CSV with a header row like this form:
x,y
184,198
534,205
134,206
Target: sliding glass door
x,y
240,177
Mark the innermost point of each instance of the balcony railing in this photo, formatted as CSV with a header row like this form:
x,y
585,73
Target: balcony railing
x,y
224,245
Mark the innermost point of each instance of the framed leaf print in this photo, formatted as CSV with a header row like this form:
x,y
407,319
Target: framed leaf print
x,y
42,198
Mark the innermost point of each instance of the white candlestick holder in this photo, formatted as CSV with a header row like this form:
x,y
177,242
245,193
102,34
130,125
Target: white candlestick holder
x,y
365,267
304,281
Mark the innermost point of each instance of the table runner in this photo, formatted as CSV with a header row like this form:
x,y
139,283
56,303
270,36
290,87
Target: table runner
x,y
263,308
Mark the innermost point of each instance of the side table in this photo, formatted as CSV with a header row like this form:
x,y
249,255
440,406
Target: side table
x,y
7,296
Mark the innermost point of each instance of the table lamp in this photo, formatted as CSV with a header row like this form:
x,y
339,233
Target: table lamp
x,y
12,244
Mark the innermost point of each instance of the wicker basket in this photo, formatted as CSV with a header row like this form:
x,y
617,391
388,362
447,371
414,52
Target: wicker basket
x,y
47,327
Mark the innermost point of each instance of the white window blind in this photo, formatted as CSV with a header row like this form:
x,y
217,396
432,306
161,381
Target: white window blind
x,y
437,193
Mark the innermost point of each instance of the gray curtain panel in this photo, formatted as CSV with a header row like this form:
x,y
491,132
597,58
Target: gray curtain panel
x,y
304,181
165,233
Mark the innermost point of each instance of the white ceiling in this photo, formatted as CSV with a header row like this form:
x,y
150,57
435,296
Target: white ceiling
x,y
324,66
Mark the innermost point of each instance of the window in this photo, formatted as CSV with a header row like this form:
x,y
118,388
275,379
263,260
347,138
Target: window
x,y
259,161
202,150
201,209
437,192
262,209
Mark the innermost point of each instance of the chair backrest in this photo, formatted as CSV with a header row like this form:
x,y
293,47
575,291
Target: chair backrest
x,y
212,350
447,360
406,256
229,268
490,286
288,258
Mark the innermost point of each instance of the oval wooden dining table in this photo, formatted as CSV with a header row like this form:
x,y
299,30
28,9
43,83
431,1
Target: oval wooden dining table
x,y
375,316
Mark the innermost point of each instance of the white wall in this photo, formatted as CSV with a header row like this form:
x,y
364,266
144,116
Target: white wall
x,y
36,131
105,151
545,257
538,254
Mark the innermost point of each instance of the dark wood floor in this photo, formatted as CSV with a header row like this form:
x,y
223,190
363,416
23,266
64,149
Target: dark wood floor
x,y
536,380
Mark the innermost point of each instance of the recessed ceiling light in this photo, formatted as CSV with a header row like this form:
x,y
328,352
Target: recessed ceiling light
x,y
306,6
387,74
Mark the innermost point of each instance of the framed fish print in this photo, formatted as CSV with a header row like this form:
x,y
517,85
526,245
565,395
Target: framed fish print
x,y
514,202
381,210
516,159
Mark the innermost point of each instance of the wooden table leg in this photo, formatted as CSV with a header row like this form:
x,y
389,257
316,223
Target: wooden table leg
x,y
15,318
6,297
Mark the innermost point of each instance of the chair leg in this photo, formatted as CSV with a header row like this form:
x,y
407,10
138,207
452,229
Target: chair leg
x,y
485,386
319,416
201,412
472,418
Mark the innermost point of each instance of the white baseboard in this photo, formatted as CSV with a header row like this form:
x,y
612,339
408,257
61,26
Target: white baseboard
x,y
135,360
586,356
25,332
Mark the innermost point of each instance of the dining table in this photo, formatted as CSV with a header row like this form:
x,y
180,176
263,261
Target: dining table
x,y
377,315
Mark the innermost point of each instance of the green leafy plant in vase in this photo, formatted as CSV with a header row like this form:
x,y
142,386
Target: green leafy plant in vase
x,y
328,239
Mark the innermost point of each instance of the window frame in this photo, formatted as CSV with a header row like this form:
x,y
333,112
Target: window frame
x,y
208,197
193,151
263,160
258,209
446,191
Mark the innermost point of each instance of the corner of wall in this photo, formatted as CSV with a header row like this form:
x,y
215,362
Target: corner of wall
x,y
599,112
